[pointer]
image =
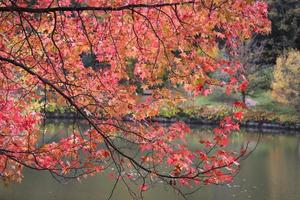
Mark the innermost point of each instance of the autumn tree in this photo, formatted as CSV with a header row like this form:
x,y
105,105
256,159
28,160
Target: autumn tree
x,y
75,53
286,84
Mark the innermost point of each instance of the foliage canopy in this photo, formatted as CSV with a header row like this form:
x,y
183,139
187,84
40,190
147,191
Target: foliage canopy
x,y
43,45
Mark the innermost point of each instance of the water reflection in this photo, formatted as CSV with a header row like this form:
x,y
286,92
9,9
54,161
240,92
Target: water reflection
x,y
272,172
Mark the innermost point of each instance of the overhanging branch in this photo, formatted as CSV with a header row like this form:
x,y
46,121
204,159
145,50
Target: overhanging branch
x,y
90,8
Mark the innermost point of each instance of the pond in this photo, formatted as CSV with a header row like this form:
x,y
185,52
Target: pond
x,y
271,172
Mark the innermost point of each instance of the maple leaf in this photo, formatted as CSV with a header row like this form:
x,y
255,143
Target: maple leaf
x,y
144,187
238,115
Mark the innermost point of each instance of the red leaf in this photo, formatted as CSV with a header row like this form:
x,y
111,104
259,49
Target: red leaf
x,y
238,115
144,187
239,104
243,86
228,89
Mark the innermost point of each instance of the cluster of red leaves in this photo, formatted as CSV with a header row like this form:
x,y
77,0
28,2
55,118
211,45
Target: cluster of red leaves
x,y
17,137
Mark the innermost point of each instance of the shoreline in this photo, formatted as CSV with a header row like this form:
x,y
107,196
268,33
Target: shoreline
x,y
261,124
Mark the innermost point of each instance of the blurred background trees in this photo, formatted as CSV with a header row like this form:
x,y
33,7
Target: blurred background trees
x,y
286,83
285,33
258,55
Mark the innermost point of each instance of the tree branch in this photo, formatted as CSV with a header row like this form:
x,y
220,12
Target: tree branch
x,y
90,8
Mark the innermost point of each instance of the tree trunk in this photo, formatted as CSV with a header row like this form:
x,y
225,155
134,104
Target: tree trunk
x,y
244,97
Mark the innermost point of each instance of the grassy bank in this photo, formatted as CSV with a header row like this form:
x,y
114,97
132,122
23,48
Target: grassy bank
x,y
218,105
214,108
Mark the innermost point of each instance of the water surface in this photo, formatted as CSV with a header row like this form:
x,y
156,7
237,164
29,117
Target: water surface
x,y
271,172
